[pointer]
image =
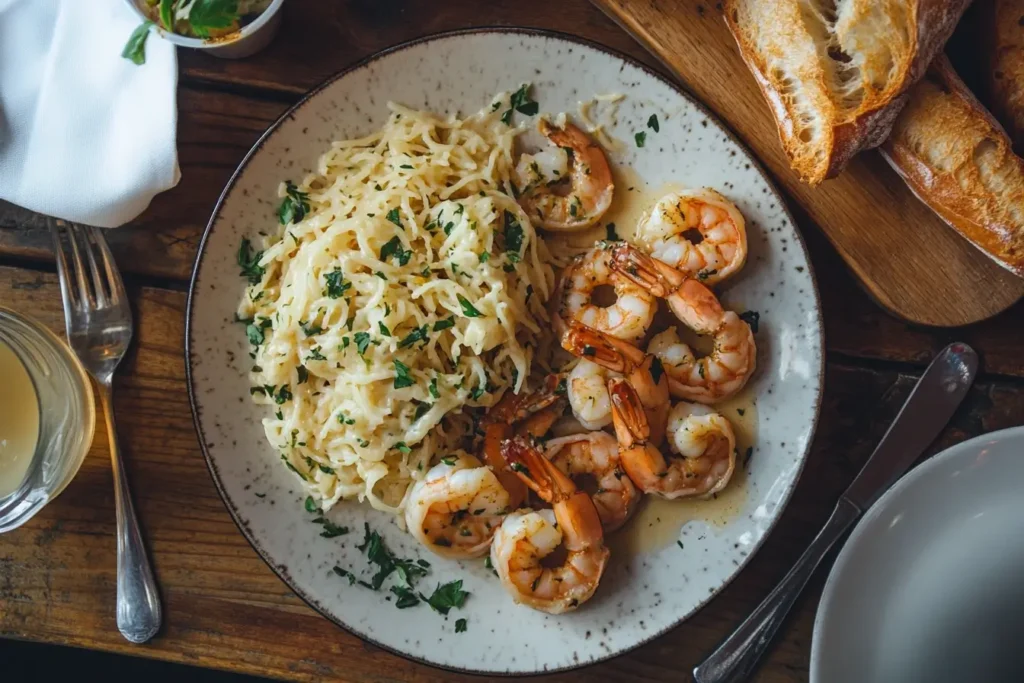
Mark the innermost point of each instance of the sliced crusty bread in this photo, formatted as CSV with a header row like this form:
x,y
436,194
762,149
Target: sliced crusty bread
x,y
958,160
1006,71
835,72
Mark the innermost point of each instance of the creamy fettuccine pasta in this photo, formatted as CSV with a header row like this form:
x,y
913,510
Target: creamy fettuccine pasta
x,y
403,285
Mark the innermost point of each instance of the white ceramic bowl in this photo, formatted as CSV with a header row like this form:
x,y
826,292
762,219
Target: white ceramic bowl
x,y
929,586
247,41
649,586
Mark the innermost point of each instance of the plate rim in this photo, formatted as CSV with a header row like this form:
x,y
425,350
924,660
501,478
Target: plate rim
x,y
869,518
282,573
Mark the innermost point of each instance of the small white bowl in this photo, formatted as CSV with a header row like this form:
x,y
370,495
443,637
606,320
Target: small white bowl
x,y
928,589
247,41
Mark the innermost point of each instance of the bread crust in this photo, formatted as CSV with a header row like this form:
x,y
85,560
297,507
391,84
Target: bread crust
x,y
958,160
1005,20
770,32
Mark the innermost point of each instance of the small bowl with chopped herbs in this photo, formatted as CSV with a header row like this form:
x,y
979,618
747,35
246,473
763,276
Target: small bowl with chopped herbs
x,y
224,28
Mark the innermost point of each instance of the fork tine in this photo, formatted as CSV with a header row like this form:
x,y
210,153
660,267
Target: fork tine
x,y
114,283
85,296
82,235
67,291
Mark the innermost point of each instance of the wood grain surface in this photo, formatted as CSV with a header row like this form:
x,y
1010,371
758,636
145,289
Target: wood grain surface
x,y
911,262
224,608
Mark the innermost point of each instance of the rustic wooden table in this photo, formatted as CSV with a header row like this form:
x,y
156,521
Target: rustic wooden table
x,y
224,608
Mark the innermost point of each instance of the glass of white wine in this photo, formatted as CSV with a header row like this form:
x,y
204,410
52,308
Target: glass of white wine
x,y
47,417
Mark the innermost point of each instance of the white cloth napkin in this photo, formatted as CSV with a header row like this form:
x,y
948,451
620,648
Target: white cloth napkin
x,y
85,135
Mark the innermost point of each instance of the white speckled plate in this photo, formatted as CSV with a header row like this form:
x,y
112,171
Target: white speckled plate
x,y
642,594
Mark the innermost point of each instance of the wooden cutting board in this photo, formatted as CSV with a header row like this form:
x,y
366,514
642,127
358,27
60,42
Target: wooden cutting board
x,y
911,262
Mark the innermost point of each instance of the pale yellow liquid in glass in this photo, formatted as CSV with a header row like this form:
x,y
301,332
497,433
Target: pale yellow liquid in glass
x,y
19,421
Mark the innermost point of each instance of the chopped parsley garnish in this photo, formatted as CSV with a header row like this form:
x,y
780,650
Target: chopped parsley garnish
x,y
485,257
460,625
254,333
468,309
521,102
362,341
311,505
640,138
513,237
315,354
325,469
520,467
283,394
477,393
345,574
309,329
422,408
447,596
395,217
403,448
378,554
752,318
432,388
331,530
703,275
448,460
250,263
345,420
381,275
612,236
406,597
652,123
393,247
295,205
303,374
444,324
135,49
418,334
337,285
402,377
383,328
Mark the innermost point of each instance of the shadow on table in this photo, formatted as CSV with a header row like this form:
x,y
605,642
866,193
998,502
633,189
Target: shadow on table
x,y
35,663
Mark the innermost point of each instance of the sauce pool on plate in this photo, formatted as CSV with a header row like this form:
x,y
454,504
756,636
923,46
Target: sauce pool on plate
x,y
19,421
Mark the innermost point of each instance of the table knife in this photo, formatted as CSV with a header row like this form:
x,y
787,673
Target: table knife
x,y
932,402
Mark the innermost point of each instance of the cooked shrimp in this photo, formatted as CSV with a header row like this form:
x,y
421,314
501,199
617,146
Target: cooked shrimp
x,y
708,444
456,508
532,414
727,368
587,388
644,371
597,455
526,537
627,318
721,248
591,189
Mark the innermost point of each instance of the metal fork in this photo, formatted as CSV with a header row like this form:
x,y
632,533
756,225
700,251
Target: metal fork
x,y
99,325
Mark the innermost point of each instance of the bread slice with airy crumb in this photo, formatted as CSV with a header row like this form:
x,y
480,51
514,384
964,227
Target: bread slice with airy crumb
x,y
1006,73
836,72
958,160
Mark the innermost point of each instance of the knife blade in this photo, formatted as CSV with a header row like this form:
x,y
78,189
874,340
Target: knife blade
x,y
931,403
927,410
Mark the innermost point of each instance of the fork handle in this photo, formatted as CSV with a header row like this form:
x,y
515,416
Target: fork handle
x,y
138,603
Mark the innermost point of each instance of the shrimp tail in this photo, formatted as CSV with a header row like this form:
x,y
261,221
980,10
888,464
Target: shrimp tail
x,y
605,350
660,279
536,471
631,425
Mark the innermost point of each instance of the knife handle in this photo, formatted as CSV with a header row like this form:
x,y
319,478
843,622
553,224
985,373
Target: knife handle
x,y
737,657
